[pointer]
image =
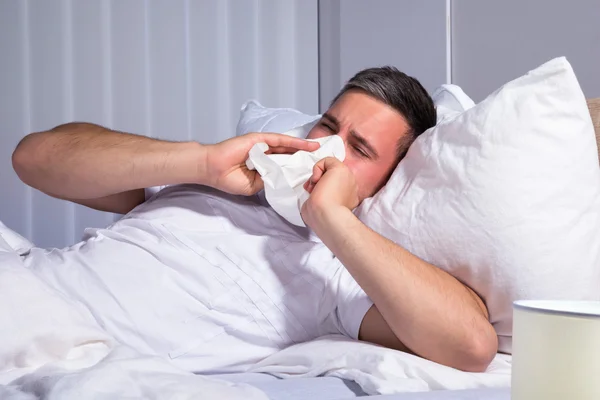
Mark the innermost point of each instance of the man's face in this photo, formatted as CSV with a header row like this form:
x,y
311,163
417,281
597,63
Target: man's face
x,y
371,130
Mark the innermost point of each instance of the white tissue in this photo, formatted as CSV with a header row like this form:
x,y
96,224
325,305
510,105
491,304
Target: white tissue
x,y
284,175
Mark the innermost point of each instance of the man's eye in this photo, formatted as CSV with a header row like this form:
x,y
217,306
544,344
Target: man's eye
x,y
327,127
360,152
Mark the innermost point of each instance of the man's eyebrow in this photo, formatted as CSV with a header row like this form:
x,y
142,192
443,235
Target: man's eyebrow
x,y
332,119
360,139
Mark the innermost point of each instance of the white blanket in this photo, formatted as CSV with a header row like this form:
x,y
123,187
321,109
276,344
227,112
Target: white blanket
x,y
51,348
379,370
124,374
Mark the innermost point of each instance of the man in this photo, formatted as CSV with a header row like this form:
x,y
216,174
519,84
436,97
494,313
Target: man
x,y
218,281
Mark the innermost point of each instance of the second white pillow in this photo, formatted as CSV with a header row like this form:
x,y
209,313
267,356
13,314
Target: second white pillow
x,y
505,196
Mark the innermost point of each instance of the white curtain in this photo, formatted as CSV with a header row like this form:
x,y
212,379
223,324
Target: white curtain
x,y
172,69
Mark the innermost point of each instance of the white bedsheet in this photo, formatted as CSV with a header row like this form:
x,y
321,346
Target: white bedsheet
x,y
51,348
124,374
379,370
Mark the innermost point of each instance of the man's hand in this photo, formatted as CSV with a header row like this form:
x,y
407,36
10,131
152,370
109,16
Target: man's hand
x,y
332,187
225,167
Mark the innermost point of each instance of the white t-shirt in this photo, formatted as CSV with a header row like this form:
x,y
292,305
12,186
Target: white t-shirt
x,y
213,281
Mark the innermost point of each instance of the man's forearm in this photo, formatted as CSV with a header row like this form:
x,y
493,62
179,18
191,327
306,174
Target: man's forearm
x,y
86,161
429,311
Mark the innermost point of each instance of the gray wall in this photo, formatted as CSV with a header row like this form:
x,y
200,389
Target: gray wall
x,y
174,69
492,42
496,41
356,34
180,69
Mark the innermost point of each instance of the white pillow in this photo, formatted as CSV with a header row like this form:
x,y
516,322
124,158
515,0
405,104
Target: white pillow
x,y
256,118
449,100
504,196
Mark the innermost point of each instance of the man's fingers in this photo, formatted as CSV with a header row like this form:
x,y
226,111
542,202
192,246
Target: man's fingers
x,y
281,150
330,162
318,171
257,183
275,140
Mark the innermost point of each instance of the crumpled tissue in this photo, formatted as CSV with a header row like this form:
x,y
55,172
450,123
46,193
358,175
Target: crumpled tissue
x,y
284,175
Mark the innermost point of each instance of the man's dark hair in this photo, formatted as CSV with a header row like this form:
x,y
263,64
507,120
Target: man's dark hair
x,y
403,93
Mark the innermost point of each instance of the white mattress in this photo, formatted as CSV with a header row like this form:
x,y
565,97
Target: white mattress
x,y
330,388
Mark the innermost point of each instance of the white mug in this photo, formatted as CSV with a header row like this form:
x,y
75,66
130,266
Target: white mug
x,y
556,350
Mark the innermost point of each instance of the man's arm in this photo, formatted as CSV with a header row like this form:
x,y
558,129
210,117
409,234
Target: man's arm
x,y
418,307
108,170
101,168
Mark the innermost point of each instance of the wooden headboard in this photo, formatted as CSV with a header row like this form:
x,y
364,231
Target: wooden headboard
x,y
594,106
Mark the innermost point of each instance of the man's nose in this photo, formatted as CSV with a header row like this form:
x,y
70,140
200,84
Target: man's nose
x,y
343,133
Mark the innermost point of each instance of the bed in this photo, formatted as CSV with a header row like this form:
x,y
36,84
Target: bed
x,y
332,388
125,374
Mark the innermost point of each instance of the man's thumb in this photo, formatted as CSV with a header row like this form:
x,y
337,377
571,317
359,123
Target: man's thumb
x,y
257,183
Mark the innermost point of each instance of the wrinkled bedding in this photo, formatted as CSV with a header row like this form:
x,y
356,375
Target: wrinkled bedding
x,y
331,388
51,347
